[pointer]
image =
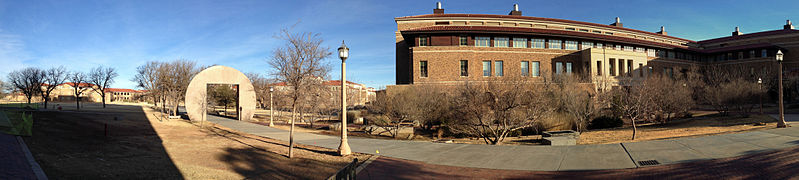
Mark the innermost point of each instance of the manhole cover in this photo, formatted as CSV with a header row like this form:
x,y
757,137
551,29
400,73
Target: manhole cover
x,y
648,162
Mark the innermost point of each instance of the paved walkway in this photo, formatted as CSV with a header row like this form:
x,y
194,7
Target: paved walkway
x,y
548,158
13,162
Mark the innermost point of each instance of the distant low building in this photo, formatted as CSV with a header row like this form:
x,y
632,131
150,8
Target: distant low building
x,y
358,94
66,93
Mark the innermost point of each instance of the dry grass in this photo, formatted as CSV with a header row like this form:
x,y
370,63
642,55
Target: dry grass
x,y
72,145
699,126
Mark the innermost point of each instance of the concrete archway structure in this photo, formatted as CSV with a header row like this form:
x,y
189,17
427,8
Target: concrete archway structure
x,y
197,91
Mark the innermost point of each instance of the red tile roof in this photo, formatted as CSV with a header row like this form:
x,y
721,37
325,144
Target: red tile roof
x,y
752,35
81,84
327,83
537,18
540,31
121,90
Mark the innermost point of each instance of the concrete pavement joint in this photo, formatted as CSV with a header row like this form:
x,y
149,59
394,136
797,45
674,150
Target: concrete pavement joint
x,y
628,155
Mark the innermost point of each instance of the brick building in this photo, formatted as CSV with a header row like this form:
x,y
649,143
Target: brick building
x,y
442,48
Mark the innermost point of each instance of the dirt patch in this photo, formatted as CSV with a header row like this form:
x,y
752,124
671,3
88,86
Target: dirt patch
x,y
74,145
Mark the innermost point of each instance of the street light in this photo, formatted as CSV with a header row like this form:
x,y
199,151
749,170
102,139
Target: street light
x,y
760,97
271,107
781,123
344,53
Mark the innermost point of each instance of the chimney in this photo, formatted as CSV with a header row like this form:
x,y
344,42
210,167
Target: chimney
x,y
617,23
788,25
736,32
438,9
662,31
515,11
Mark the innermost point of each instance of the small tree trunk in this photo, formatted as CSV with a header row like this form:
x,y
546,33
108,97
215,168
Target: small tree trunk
x,y
29,99
103,99
291,130
634,128
45,103
77,102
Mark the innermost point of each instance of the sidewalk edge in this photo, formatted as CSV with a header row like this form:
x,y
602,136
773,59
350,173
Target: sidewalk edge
x,y
34,165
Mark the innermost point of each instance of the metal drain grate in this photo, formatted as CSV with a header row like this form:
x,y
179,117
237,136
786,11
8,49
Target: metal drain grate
x,y
648,163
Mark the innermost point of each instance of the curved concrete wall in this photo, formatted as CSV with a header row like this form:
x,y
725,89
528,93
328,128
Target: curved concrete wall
x,y
197,91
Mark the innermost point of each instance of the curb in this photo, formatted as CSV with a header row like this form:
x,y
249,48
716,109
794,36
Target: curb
x,y
37,170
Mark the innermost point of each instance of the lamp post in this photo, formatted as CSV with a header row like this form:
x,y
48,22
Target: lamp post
x,y
343,53
781,123
271,107
760,97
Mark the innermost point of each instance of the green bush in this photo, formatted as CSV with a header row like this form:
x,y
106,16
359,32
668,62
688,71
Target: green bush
x,y
603,122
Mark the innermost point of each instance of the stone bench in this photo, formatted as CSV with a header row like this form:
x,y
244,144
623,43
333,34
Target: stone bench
x,y
560,138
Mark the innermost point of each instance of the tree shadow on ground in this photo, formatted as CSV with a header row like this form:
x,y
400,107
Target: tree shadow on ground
x,y
76,145
781,164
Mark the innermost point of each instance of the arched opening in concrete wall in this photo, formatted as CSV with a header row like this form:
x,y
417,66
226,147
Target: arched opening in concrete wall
x,y
216,76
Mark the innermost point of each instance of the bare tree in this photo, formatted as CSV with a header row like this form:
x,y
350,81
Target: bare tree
x,y
52,78
103,77
576,99
80,85
174,78
2,89
494,109
28,81
147,78
633,102
298,60
261,85
400,107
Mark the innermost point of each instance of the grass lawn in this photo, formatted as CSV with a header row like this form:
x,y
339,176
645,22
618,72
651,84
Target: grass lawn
x,y
73,145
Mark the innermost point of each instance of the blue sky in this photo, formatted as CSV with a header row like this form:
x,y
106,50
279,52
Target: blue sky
x,y
125,34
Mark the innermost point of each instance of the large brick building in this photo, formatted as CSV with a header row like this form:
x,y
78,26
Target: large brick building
x,y
442,48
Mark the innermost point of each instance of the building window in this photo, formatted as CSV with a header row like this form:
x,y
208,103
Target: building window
x,y
669,72
486,68
598,68
537,43
671,54
586,45
628,48
558,67
525,68
650,52
568,68
424,41
640,70
500,42
630,68
423,68
536,68
621,67
498,70
571,45
618,47
520,42
464,68
763,53
752,54
482,41
555,44
599,45
611,66
740,55
640,49
464,41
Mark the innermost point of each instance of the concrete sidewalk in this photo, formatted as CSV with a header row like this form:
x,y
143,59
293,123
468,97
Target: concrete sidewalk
x,y
547,158
13,161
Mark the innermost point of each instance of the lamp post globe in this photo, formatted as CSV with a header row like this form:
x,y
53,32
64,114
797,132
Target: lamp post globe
x,y
344,53
781,123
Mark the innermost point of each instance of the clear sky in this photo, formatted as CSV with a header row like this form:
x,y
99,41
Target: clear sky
x,y
125,34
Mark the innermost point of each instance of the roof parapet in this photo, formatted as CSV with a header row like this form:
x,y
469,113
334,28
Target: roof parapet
x,y
737,32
